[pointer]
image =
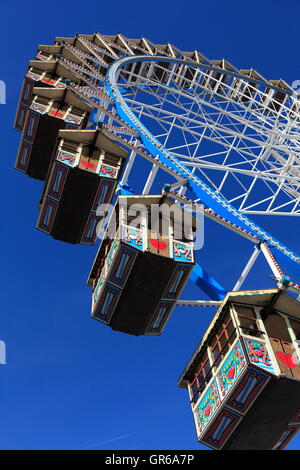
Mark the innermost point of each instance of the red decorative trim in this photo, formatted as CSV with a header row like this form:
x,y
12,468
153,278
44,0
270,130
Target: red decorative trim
x,y
232,421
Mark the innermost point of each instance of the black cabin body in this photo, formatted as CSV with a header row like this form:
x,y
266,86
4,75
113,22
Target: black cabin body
x,y
244,377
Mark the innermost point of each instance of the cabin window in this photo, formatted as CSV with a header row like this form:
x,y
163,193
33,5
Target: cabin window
x,y
202,377
110,159
222,340
70,146
41,100
162,71
77,112
248,321
276,327
246,91
279,97
216,81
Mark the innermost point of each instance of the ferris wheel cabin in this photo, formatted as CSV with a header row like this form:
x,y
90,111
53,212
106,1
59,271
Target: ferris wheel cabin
x,y
85,171
37,73
244,377
51,109
47,105
139,272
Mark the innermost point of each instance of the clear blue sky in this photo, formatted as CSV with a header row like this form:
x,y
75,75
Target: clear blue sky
x,y
69,382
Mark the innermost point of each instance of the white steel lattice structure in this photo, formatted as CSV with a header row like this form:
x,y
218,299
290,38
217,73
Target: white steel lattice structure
x,y
240,141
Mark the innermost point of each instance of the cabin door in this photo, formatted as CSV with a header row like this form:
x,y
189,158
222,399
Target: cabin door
x,y
286,357
158,243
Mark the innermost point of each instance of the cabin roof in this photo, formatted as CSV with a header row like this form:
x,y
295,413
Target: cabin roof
x,y
50,48
46,66
195,55
149,199
223,64
95,137
281,84
252,73
69,40
62,94
284,303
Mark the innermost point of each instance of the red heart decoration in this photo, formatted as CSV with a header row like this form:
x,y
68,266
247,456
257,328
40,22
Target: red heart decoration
x,y
157,244
207,410
231,373
56,113
259,353
286,359
88,164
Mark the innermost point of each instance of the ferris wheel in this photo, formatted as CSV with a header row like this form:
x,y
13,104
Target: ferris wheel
x,y
223,139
